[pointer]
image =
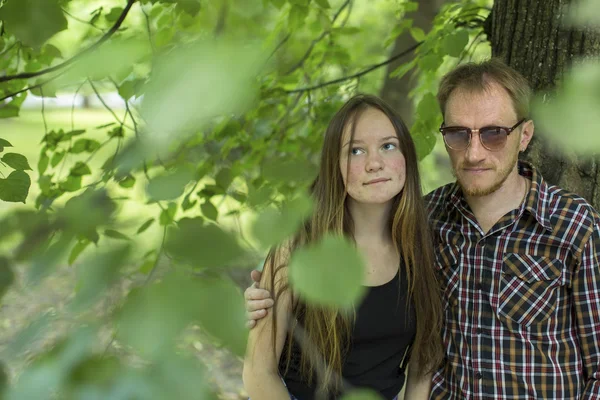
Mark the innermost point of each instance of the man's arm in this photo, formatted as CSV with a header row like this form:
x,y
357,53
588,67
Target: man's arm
x,y
586,300
261,373
258,301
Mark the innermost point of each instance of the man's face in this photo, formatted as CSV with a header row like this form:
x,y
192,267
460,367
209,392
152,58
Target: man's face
x,y
478,170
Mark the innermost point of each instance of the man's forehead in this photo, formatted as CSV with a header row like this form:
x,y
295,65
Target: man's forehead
x,y
492,102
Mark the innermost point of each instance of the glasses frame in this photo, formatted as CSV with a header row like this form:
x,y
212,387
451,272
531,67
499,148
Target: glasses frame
x,y
444,130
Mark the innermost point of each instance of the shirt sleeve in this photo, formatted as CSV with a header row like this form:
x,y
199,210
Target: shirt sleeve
x,y
586,300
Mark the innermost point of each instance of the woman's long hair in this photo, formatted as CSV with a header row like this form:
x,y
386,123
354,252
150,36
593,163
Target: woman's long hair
x,y
328,330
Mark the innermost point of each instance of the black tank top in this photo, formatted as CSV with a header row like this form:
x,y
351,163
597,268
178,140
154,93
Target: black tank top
x,y
383,332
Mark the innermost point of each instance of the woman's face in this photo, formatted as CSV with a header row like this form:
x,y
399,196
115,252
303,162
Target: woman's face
x,y
375,170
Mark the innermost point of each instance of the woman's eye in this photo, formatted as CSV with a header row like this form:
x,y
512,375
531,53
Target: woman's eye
x,y
356,151
389,146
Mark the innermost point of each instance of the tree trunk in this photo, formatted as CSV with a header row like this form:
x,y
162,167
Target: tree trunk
x,y
395,91
528,36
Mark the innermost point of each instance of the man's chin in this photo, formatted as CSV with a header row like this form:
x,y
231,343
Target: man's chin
x,y
474,190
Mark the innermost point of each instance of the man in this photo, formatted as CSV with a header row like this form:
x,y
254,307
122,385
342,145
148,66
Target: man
x,y
518,258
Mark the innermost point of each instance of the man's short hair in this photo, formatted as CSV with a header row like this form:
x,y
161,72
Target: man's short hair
x,y
477,77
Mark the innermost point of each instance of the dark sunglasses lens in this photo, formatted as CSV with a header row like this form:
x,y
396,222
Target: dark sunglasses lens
x,y
493,138
457,139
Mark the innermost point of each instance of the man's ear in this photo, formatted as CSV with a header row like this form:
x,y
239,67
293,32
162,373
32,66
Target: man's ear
x,y
526,134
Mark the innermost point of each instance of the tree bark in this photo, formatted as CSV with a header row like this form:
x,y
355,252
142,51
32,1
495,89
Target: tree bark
x,y
529,36
395,91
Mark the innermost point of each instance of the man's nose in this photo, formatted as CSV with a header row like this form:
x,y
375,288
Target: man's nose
x,y
475,152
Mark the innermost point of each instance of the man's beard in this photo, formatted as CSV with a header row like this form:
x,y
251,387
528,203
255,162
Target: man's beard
x,y
502,175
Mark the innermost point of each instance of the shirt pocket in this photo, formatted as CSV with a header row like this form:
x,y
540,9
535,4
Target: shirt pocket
x,y
529,287
448,258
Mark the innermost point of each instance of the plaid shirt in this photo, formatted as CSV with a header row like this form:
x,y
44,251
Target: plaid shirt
x,y
522,301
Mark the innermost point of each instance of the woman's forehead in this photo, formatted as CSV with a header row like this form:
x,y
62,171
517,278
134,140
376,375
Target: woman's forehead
x,y
368,125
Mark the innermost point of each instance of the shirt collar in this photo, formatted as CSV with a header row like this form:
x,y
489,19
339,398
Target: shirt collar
x,y
536,200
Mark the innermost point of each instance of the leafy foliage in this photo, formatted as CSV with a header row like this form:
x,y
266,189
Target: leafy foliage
x,y
224,110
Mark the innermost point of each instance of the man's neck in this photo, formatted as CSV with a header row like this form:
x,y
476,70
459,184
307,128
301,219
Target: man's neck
x,y
490,208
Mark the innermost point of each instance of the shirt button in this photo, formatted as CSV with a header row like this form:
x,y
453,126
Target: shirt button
x,y
478,375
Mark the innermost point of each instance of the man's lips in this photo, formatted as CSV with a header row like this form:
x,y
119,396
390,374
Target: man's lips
x,y
379,180
476,170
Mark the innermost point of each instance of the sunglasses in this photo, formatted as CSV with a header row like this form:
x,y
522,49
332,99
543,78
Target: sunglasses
x,y
493,138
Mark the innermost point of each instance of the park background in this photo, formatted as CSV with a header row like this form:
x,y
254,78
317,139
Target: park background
x,y
153,150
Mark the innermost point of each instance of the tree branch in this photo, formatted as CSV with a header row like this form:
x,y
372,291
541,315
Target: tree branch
x,y
358,74
104,38
317,40
81,20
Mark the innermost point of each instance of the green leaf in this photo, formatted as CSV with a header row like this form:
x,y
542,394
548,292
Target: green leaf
x,y
5,143
169,186
399,72
96,273
71,184
573,109
202,245
455,43
145,226
289,169
111,233
585,13
167,216
16,161
417,33
221,312
7,276
297,16
127,182
191,7
428,108
172,108
116,132
411,6
80,169
57,158
9,111
209,210
33,22
43,162
130,88
430,62
114,14
272,226
323,3
187,204
278,3
329,273
15,188
84,145
77,250
362,394
224,178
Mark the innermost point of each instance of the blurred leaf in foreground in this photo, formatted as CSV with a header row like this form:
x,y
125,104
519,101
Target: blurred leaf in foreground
x,y
585,12
202,245
571,119
153,316
192,84
32,21
274,226
329,273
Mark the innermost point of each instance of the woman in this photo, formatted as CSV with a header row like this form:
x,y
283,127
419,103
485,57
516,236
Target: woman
x,y
367,189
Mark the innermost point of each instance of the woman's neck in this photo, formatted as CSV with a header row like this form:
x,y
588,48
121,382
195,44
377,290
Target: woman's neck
x,y
371,222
